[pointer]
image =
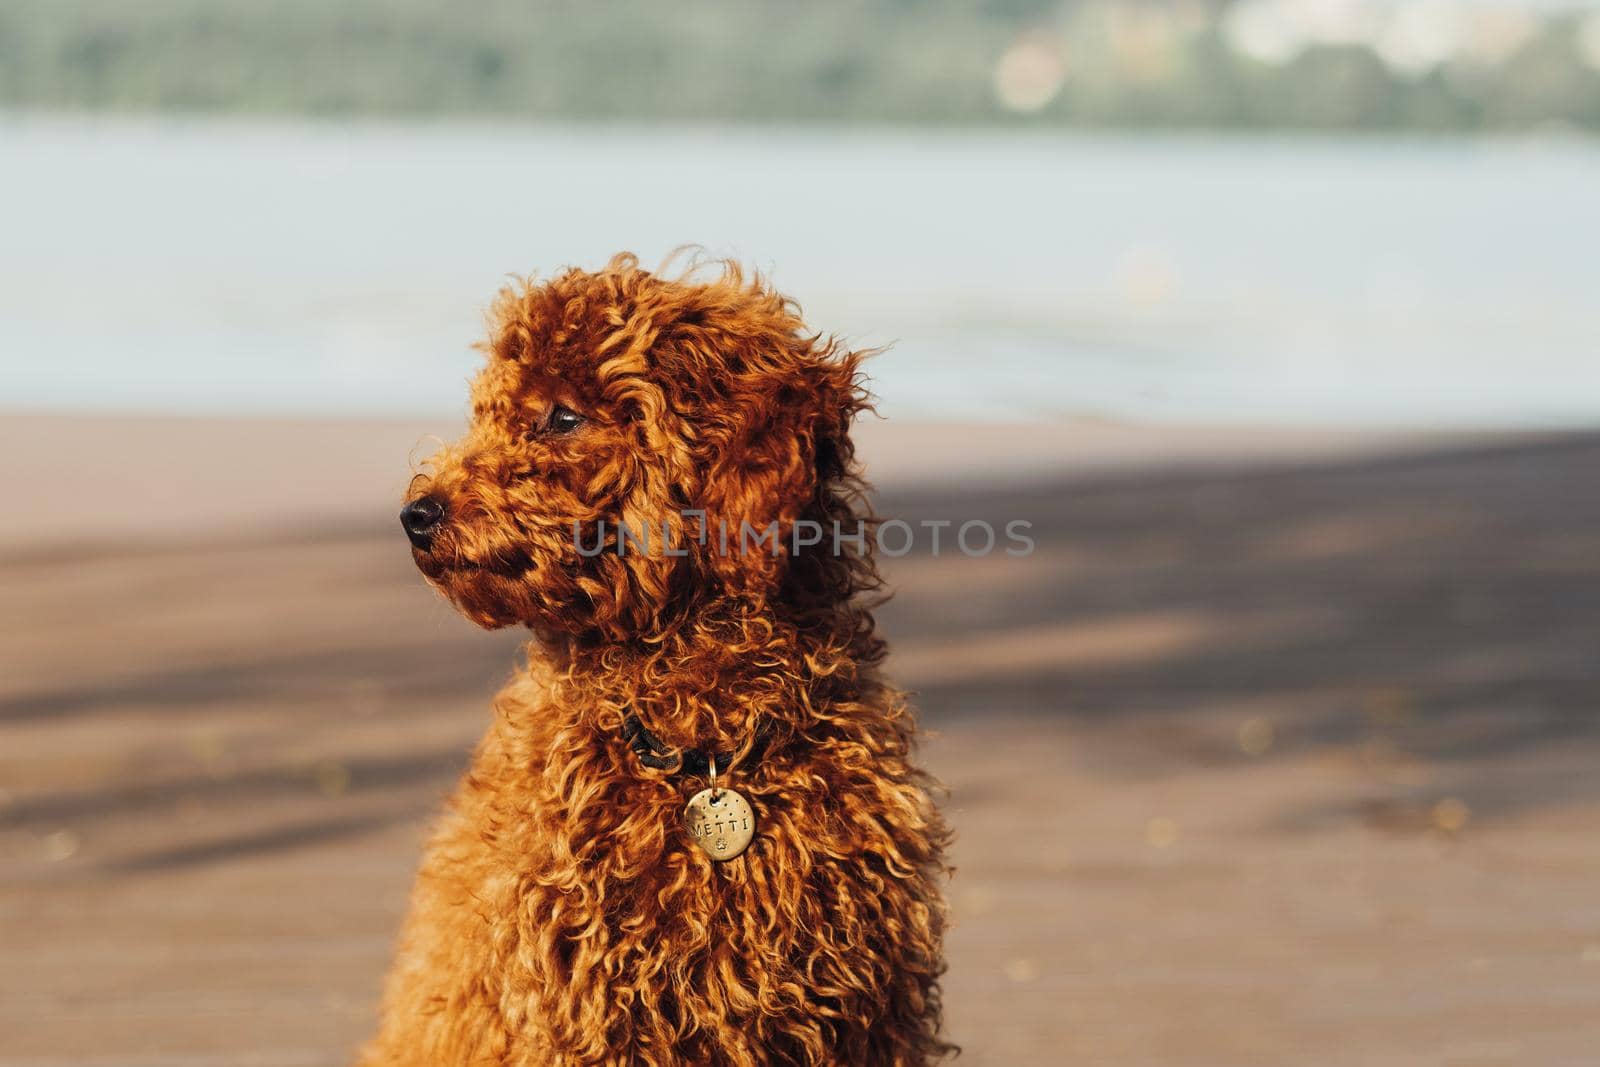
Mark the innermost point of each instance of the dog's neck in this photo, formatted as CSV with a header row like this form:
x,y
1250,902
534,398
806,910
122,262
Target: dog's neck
x,y
713,680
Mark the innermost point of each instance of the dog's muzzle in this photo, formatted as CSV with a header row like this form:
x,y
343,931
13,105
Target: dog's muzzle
x,y
421,519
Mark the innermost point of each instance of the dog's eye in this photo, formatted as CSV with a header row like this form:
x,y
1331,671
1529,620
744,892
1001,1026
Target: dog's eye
x,y
562,420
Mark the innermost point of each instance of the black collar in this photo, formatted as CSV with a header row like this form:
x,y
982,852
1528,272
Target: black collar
x,y
689,762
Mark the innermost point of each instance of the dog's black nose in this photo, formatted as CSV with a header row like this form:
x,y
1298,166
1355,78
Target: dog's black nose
x,y
421,519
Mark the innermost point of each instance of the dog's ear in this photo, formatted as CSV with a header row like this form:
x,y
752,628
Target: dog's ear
x,y
773,453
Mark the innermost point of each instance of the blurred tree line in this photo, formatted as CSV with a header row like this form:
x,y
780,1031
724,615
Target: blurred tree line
x,y
1090,62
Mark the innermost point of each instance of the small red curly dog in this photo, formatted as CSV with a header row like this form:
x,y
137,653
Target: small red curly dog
x,y
566,911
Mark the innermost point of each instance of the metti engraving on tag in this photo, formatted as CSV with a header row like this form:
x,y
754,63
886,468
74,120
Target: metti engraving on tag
x,y
721,822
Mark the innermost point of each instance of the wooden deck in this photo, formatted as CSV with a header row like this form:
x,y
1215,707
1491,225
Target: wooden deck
x,y
1291,765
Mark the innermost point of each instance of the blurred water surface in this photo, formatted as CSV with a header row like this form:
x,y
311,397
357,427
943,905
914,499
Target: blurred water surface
x,y
155,265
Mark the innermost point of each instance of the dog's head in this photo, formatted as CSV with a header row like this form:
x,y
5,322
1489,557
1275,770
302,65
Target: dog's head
x,y
636,443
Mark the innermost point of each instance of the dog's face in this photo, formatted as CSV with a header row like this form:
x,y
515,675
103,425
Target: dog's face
x,y
615,408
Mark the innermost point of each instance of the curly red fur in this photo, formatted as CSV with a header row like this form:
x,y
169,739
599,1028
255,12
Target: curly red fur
x,y
562,914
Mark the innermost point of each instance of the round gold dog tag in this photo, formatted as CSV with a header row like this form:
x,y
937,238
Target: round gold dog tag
x,y
721,822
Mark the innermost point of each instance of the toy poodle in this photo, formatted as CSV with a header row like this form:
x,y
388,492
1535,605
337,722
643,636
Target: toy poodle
x,y
694,832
